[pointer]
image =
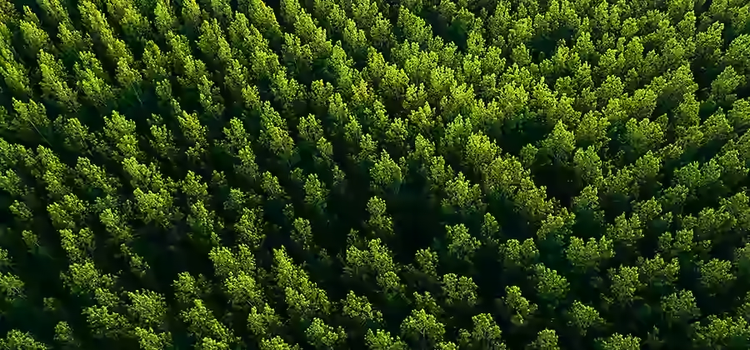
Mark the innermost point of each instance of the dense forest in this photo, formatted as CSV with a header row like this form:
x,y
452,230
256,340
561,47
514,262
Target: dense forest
x,y
375,174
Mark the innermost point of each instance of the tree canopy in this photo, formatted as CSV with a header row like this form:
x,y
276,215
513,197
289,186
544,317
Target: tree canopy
x,y
371,174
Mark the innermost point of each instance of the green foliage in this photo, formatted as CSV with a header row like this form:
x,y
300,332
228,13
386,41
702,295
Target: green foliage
x,y
363,174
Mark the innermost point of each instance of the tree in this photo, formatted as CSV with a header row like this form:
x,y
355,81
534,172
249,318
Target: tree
x,y
303,297
625,284
382,340
485,334
12,287
462,198
546,339
738,114
559,145
415,28
723,86
490,230
276,343
717,332
30,120
626,231
519,255
422,328
716,275
202,324
315,193
34,37
589,256
658,273
263,321
92,80
584,317
379,221
386,174
65,337
551,286
680,307
323,336
521,308
16,339
149,308
459,290
644,135
361,310
461,245
14,73
619,342
588,165
105,323
54,85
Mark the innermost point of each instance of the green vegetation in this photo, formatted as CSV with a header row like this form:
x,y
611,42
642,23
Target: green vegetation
x,y
373,175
